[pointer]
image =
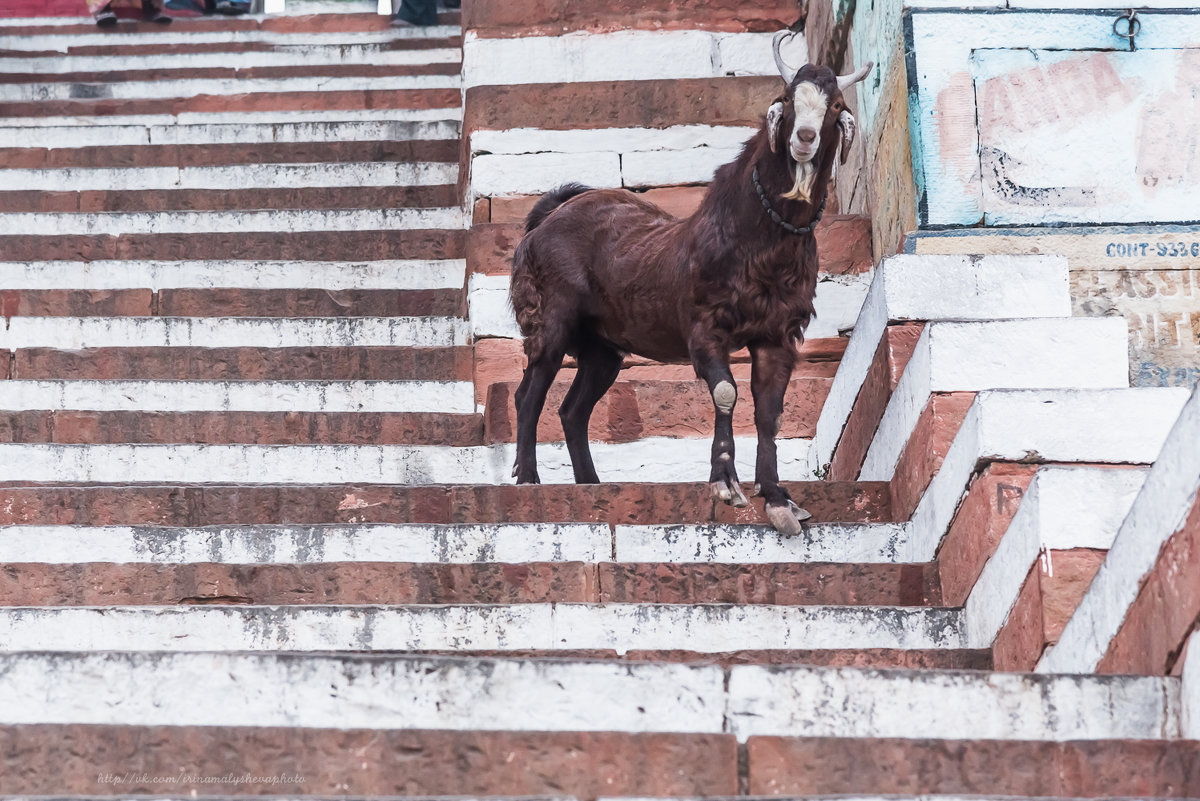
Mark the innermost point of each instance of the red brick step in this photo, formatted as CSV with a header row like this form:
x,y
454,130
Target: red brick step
x,y
337,197
248,363
212,505
444,150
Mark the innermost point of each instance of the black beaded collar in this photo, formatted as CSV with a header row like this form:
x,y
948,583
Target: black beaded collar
x,y
774,215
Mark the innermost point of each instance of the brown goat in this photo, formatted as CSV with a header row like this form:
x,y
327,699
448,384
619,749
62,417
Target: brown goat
x,y
603,273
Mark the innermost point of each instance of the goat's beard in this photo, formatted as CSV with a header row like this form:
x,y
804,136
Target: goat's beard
x,y
803,180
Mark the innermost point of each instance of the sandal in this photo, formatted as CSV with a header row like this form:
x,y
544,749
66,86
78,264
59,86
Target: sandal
x,y
152,14
105,18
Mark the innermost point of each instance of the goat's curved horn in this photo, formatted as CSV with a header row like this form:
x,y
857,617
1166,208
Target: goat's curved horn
x,y
776,43
846,81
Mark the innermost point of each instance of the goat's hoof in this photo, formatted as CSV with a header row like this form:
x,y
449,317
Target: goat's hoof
x,y
728,492
787,519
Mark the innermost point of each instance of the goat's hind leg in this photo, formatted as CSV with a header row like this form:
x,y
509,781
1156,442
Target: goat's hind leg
x,y
713,367
599,366
544,364
771,372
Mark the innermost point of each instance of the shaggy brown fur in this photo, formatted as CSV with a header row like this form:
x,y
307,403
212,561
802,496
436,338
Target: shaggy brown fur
x,y
603,273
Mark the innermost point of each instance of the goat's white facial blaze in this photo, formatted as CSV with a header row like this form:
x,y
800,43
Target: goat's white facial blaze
x,y
809,104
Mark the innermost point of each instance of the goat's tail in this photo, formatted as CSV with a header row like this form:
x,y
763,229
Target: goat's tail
x,y
551,201
524,294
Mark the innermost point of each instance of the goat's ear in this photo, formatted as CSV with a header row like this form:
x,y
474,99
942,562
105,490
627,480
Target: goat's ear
x,y
774,118
847,125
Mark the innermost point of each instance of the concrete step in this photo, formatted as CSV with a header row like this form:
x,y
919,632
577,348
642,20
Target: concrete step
x,y
243,428
840,766
73,333
74,565
143,71
159,503
311,113
368,761
176,303
334,397
59,153
243,176
908,288
534,627
201,222
270,95
418,693
109,584
362,763
42,38
333,363
949,357
635,409
151,134
1142,607
656,459
1097,426
239,245
411,274
74,66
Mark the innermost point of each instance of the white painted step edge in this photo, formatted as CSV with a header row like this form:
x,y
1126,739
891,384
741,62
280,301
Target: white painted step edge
x,y
1106,426
1047,353
333,397
703,628
232,176
299,56
74,333
413,693
506,543
158,131
234,274
1160,510
96,124
281,221
192,87
911,288
654,460
1065,507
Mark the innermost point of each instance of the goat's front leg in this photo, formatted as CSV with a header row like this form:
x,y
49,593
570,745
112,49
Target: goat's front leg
x,y
712,365
771,369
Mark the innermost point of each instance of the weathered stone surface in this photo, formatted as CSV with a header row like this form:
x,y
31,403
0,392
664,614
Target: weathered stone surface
x,y
262,428
57,759
931,438
258,101
249,363
555,17
219,302
833,584
76,302
636,409
1103,768
611,503
336,197
896,347
739,101
445,150
1154,633
931,659
332,583
982,518
319,245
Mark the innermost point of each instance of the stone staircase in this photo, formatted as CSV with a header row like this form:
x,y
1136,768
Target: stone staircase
x,y
256,533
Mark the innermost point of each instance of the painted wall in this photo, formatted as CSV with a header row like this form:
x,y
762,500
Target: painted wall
x,y
1039,117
